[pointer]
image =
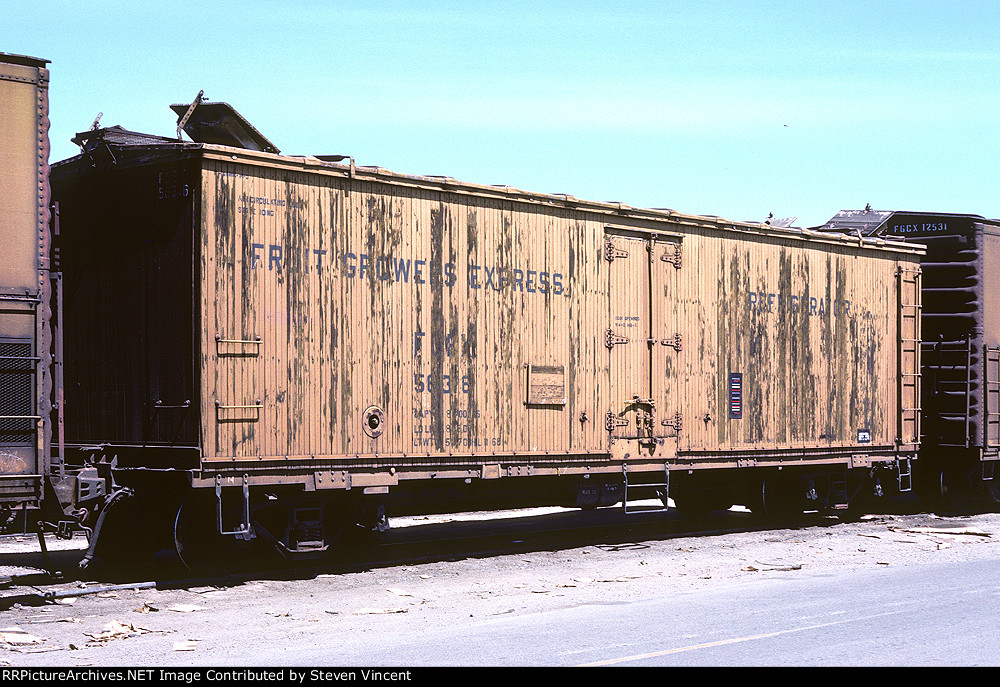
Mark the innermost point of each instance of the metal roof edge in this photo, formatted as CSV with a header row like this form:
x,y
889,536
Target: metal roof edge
x,y
310,163
23,60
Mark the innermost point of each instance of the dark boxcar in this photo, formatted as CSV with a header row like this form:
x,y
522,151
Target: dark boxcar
x,y
960,396
285,340
25,381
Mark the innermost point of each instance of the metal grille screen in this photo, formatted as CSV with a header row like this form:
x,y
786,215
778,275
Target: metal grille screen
x,y
16,393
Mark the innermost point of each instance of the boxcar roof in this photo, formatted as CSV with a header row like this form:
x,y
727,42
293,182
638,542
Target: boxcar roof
x,y
870,222
132,148
23,60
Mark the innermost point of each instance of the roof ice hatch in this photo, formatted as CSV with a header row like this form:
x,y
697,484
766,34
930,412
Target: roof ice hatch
x,y
220,124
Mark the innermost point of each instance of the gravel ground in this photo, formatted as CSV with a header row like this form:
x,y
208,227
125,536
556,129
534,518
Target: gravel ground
x,y
248,623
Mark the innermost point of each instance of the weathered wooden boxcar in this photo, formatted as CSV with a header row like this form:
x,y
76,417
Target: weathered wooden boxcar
x,y
289,338
25,380
960,397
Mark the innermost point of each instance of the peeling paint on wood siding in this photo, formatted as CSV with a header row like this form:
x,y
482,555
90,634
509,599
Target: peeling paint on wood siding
x,y
813,336
388,303
428,306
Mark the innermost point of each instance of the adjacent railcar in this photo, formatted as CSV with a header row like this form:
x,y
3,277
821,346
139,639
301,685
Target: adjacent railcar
x,y
25,343
960,399
267,346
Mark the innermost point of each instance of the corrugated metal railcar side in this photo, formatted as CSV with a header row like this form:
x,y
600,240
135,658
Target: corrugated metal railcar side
x,y
961,358
25,381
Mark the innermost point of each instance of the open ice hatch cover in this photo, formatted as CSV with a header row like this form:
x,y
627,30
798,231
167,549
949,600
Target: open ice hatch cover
x,y
220,124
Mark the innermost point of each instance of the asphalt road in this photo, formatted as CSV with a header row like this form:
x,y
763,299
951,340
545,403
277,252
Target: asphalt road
x,y
892,617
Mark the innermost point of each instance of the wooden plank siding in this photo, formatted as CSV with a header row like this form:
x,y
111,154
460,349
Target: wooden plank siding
x,y
811,331
366,296
419,321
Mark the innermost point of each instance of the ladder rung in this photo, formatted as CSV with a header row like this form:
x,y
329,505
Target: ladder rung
x,y
644,485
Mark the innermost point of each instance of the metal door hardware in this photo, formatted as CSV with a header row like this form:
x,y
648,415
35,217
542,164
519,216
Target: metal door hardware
x,y
611,339
611,421
611,251
673,341
672,256
674,422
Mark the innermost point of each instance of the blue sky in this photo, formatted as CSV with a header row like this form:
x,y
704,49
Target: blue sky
x,y
737,109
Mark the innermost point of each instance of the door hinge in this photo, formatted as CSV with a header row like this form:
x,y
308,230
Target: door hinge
x,y
611,339
672,256
674,422
611,421
611,251
673,341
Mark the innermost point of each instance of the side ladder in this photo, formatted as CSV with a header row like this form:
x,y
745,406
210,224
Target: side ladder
x,y
909,375
662,490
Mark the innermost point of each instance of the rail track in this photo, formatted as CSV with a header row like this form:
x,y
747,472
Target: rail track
x,y
410,541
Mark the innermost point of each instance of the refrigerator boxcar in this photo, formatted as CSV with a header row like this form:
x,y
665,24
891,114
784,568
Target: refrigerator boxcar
x,y
274,347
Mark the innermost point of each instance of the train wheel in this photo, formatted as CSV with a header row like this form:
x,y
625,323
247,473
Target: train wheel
x,y
927,487
968,490
130,534
197,540
956,490
115,533
783,500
